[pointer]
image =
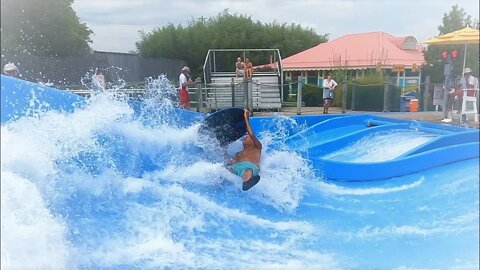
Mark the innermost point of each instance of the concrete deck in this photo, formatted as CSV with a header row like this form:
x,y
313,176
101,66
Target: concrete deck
x,y
430,116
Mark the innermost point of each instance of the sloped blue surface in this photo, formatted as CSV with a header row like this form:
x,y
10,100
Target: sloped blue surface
x,y
110,186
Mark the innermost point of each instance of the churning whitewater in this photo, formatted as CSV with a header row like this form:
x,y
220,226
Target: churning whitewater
x,y
120,186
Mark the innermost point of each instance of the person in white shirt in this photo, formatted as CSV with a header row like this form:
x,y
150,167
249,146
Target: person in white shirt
x,y
328,87
468,81
183,91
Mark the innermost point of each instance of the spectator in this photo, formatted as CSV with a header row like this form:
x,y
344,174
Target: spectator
x,y
184,81
468,81
328,87
455,96
239,68
248,68
11,70
100,79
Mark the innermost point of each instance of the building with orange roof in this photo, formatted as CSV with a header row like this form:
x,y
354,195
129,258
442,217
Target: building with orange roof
x,y
400,57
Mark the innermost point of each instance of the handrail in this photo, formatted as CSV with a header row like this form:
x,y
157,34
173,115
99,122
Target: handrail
x,y
205,66
241,50
465,91
207,70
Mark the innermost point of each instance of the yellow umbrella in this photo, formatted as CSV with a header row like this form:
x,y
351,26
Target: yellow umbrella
x,y
465,36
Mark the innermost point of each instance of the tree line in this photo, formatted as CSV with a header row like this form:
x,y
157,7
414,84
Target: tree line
x,y
454,20
43,28
52,28
225,31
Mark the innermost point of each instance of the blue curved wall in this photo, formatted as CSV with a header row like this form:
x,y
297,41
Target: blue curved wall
x,y
22,98
133,195
313,136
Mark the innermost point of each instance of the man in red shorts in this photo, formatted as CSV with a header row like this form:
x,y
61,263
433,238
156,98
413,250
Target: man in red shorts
x,y
185,81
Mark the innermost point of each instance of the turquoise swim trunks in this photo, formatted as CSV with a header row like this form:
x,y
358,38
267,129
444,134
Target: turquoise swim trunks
x,y
240,167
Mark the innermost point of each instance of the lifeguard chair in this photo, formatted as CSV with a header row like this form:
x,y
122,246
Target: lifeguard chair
x,y
469,102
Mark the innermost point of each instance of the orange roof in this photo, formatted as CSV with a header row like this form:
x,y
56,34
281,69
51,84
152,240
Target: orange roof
x,y
358,51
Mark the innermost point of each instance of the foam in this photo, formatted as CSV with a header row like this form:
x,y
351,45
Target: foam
x,y
372,147
32,238
454,225
153,236
283,180
339,190
104,188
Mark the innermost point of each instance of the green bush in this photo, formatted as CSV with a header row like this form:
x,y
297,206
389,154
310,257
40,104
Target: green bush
x,y
292,99
312,95
337,96
370,98
369,92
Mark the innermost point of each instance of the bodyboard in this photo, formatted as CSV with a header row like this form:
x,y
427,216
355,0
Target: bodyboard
x,y
227,125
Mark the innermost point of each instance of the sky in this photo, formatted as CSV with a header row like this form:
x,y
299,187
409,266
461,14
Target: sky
x,y
116,23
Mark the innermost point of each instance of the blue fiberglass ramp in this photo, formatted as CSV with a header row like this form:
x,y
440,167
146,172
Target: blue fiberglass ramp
x,y
326,139
103,184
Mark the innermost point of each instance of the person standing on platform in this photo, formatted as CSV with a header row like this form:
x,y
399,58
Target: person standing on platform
x,y
184,81
248,68
239,68
328,87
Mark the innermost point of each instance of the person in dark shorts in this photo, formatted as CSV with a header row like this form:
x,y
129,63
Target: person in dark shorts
x,y
328,87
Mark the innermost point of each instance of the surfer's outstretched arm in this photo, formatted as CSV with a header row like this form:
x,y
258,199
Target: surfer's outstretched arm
x,y
256,142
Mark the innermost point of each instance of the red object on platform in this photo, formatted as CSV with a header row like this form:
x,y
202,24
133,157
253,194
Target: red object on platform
x,y
414,105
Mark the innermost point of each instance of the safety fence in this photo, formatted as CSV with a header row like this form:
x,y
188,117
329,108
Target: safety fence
x,y
250,93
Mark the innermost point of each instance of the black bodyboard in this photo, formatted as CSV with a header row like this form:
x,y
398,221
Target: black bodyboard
x,y
227,125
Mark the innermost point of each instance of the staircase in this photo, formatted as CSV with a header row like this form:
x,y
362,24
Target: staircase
x,y
224,90
264,89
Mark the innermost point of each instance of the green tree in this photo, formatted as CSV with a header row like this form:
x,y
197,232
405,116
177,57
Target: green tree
x,y
225,31
45,28
456,19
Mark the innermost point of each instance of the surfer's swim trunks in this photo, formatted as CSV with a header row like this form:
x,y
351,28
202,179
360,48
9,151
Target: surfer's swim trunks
x,y
239,168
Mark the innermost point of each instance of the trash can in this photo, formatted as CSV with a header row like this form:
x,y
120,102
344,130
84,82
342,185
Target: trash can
x,y
413,105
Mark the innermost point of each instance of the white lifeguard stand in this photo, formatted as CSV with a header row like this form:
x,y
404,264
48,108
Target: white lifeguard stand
x,y
469,103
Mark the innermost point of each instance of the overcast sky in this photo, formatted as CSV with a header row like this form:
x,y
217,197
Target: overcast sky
x,y
116,23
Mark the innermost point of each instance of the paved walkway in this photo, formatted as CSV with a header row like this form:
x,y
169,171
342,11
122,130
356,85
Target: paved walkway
x,y
429,116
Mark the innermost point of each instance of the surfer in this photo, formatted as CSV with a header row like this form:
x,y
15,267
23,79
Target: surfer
x,y
246,163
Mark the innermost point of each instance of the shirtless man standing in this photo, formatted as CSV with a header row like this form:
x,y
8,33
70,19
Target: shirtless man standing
x,y
248,68
239,67
246,163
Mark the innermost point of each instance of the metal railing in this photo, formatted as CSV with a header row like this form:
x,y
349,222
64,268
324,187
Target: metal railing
x,y
135,93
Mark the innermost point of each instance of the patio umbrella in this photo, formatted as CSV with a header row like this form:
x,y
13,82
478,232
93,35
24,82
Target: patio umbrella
x,y
465,36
